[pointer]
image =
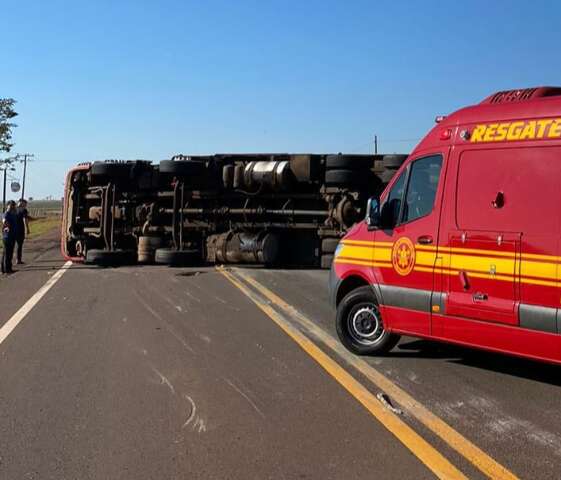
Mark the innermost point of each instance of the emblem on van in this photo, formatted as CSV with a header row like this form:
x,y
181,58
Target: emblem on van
x,y
403,256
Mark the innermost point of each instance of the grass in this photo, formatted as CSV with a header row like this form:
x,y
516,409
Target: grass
x,y
45,204
41,226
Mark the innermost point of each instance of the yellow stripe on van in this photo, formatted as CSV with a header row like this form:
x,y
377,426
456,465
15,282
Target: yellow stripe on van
x,y
479,263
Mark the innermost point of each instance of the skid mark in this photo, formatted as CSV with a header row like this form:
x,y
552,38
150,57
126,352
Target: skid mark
x,y
199,425
166,325
193,411
249,400
147,307
158,291
196,422
163,379
191,296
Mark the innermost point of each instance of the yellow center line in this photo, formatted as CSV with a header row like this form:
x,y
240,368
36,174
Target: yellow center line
x,y
425,452
481,460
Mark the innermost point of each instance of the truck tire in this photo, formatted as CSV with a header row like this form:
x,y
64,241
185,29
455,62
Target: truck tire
x,y
177,258
110,258
345,178
393,161
387,175
329,245
360,326
111,169
326,261
182,167
147,246
350,162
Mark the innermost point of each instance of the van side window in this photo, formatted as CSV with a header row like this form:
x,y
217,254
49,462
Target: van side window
x,y
392,206
421,188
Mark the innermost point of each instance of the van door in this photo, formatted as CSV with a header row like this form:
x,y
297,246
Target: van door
x,y
483,283
483,255
502,260
407,244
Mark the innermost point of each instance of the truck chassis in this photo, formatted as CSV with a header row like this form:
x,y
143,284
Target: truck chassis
x,y
271,209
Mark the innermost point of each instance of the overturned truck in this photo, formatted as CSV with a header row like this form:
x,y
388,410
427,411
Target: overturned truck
x,y
271,209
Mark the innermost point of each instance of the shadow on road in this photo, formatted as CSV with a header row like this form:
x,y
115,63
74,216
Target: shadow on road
x,y
504,364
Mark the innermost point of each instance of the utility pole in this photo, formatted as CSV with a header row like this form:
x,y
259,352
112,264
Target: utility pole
x,y
375,144
25,157
6,165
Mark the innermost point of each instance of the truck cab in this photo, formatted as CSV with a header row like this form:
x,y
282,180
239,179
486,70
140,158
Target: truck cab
x,y
463,244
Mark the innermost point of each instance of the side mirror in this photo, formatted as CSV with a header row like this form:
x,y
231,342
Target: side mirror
x,y
373,218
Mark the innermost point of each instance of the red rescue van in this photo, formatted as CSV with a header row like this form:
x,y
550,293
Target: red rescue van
x,y
464,244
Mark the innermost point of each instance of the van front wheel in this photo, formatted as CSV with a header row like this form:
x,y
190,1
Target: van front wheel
x,y
360,326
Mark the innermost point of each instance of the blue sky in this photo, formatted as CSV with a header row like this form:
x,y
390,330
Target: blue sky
x,y
148,79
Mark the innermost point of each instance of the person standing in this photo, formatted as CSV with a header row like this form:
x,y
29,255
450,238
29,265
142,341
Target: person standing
x,y
9,234
22,228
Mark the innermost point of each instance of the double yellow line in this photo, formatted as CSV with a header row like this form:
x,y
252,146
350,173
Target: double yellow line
x,y
426,453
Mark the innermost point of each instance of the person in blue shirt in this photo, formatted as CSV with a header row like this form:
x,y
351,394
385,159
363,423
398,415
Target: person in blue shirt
x,y
9,235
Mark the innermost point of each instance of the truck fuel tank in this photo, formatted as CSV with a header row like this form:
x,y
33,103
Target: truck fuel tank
x,y
275,175
230,247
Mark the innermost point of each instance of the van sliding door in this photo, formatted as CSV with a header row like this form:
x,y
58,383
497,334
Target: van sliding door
x,y
502,259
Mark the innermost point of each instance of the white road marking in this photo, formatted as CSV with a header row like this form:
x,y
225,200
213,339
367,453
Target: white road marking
x,y
17,317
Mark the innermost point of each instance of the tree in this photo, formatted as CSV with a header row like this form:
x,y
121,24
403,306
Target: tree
x,y
7,112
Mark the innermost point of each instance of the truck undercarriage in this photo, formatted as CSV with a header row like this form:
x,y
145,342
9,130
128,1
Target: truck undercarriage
x,y
271,209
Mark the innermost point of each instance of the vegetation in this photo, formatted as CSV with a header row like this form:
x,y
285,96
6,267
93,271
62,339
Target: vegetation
x,y
7,112
41,226
42,208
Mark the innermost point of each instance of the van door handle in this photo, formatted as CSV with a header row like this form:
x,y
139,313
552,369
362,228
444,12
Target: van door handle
x,y
480,297
424,240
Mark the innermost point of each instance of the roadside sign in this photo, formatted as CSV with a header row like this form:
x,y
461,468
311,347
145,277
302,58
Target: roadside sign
x,y
15,186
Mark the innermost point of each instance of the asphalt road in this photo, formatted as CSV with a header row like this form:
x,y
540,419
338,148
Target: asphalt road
x,y
160,373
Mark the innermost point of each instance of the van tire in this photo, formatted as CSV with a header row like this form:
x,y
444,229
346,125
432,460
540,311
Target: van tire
x,y
345,178
393,161
110,258
177,258
360,326
351,162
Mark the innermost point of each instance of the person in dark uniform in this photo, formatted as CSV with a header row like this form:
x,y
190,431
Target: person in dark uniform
x,y
9,234
22,228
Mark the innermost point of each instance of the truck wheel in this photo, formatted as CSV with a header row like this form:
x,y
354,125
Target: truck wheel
x,y
393,161
147,246
387,175
329,245
110,258
111,169
351,162
326,261
360,325
345,178
182,167
177,258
